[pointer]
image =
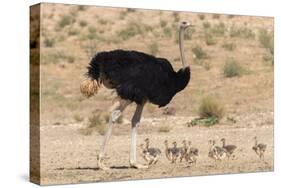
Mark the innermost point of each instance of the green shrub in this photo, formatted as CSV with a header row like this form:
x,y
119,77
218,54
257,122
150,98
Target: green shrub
x,y
65,20
49,42
232,68
72,31
83,23
209,39
94,120
266,40
163,23
176,17
216,16
206,25
218,29
78,118
242,32
199,53
167,32
164,129
211,108
229,46
201,16
132,29
153,48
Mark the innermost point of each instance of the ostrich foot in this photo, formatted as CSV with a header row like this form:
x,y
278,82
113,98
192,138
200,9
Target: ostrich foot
x,y
138,166
101,164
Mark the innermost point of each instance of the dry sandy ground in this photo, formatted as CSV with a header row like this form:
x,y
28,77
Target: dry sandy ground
x,y
67,156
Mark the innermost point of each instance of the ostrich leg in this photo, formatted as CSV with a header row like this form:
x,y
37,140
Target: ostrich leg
x,y
135,123
113,117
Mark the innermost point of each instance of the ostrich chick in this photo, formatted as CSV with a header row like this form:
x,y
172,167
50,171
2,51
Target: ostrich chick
x,y
183,150
259,148
229,148
175,152
216,152
192,154
168,151
151,154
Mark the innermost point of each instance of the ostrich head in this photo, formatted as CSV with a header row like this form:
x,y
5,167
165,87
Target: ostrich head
x,y
174,144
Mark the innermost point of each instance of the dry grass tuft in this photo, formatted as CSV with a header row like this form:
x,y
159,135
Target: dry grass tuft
x,y
164,129
210,108
232,68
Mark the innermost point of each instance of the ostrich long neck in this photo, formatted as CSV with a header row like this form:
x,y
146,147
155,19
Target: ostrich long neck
x,y
181,41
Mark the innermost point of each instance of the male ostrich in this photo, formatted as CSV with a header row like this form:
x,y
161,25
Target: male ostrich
x,y
136,77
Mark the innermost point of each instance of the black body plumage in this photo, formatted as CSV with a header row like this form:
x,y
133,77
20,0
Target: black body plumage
x,y
139,77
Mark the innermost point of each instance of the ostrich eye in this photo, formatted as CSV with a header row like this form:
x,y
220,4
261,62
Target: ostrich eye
x,y
184,23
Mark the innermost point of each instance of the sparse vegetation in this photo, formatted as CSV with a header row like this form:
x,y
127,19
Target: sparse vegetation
x,y
232,68
94,120
201,16
209,39
211,109
199,53
153,48
49,42
163,23
78,118
176,16
218,29
243,32
216,16
65,20
72,31
164,129
266,40
102,21
132,29
57,57
83,23
229,46
206,25
167,32
82,7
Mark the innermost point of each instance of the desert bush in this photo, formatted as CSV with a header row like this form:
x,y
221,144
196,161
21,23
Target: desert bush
x,y
163,23
201,16
83,23
199,53
266,40
206,25
130,10
218,29
132,29
211,108
164,129
65,20
103,21
49,42
229,46
72,31
230,16
89,48
242,32
78,118
232,68
81,7
57,57
167,32
176,16
216,16
209,39
153,48
94,120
